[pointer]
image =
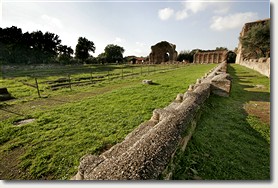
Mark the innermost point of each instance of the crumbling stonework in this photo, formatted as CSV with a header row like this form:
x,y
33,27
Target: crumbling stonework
x,y
210,56
261,65
163,52
146,151
245,29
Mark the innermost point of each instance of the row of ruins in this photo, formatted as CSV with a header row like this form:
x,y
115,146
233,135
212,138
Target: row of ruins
x,y
165,52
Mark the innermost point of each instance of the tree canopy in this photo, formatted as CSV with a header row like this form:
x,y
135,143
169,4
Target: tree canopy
x,y
186,55
113,53
17,47
256,42
83,47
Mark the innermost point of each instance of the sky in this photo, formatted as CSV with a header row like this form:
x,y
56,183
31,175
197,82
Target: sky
x,y
137,25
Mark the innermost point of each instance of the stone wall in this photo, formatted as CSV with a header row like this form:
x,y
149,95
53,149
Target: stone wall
x,y
163,52
244,30
261,65
147,151
210,56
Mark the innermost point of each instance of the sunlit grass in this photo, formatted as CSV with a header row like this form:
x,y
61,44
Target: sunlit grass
x,y
55,141
229,143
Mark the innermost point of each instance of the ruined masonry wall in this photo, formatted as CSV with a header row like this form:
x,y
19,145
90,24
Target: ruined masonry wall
x,y
261,65
147,150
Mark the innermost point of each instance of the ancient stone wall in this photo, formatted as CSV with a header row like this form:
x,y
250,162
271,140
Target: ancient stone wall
x,y
245,29
261,65
163,52
147,150
210,56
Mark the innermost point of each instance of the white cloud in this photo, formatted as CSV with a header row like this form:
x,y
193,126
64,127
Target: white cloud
x,y
51,21
191,7
165,14
119,40
224,10
221,23
180,15
195,6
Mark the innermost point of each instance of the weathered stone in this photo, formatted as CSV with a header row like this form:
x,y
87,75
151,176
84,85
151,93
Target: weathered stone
x,y
261,65
210,56
163,52
221,85
148,149
147,82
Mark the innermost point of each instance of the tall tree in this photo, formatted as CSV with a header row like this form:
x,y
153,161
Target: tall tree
x,y
101,58
256,42
64,53
44,46
114,53
11,45
184,56
36,47
83,47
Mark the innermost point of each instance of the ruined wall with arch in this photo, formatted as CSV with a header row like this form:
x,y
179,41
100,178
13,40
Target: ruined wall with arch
x,y
163,52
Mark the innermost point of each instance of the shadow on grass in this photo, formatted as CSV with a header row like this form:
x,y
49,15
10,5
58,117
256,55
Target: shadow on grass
x,y
224,145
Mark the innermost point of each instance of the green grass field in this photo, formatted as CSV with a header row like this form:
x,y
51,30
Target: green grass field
x,y
88,119
232,138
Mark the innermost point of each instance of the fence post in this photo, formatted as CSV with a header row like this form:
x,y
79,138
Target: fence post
x,y
122,71
37,86
69,82
91,76
132,71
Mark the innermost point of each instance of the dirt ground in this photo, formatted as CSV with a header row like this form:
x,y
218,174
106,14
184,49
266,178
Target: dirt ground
x,y
259,109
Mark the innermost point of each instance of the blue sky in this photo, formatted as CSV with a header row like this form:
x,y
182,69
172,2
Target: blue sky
x,y
137,25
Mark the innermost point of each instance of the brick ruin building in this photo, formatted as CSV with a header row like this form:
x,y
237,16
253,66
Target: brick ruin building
x,y
245,29
210,56
163,52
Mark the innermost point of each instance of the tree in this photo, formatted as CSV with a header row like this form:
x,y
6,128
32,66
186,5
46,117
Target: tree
x,y
44,46
11,50
101,58
28,48
83,47
114,53
187,55
65,53
184,56
256,42
221,48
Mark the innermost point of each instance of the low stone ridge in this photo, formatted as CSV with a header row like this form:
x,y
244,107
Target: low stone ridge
x,y
147,150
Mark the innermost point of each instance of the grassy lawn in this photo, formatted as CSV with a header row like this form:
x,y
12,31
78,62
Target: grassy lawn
x,y
232,138
20,80
97,118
